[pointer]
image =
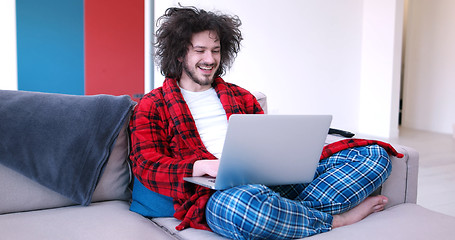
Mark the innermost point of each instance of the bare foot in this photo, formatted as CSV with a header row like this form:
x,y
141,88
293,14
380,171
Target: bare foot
x,y
365,208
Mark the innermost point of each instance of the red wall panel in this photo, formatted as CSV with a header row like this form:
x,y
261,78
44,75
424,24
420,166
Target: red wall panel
x,y
114,47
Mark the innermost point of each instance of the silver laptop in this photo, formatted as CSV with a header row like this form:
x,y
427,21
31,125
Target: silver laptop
x,y
269,150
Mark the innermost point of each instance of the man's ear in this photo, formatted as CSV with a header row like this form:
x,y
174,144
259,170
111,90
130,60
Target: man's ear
x,y
180,59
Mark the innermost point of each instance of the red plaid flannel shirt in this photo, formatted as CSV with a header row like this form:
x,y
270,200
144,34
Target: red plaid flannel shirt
x,y
166,143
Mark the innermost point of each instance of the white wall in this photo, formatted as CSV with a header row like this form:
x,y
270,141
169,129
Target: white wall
x,y
429,84
381,67
307,56
8,56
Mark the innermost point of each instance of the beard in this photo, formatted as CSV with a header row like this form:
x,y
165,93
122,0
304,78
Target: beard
x,y
204,80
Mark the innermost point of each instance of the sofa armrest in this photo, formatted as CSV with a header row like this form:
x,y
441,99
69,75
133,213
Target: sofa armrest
x,y
262,100
401,186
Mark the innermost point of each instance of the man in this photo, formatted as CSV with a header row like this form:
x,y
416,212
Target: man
x,y
178,130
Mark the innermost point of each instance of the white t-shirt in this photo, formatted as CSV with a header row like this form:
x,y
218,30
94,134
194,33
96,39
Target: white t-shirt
x,y
210,118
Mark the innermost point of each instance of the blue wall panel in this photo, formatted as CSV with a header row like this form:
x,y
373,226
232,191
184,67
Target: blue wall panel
x,y
50,45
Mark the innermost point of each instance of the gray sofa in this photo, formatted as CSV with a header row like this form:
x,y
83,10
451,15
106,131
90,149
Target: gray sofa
x,y
29,210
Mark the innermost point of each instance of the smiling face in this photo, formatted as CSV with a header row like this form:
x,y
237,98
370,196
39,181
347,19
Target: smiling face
x,y
201,62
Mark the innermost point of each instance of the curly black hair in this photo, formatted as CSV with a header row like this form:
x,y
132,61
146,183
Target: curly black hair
x,y
176,28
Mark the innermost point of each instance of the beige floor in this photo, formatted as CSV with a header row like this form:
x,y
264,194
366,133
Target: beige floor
x,y
436,188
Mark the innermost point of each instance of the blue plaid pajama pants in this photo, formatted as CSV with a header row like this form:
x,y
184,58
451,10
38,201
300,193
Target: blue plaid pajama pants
x,y
341,182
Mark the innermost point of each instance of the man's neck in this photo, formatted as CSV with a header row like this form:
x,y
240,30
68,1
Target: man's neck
x,y
192,86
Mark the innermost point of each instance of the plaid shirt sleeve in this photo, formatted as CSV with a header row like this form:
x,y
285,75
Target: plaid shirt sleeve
x,y
153,158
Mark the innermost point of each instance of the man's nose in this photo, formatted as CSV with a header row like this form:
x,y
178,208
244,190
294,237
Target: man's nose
x,y
209,57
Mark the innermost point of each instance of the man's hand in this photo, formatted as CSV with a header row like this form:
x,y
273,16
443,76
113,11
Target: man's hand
x,y
205,167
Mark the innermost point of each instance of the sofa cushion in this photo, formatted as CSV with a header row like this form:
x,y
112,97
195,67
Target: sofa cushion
x,y
117,175
169,224
109,220
19,193
404,221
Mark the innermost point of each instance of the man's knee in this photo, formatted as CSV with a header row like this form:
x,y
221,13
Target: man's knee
x,y
378,160
383,159
239,200
235,210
